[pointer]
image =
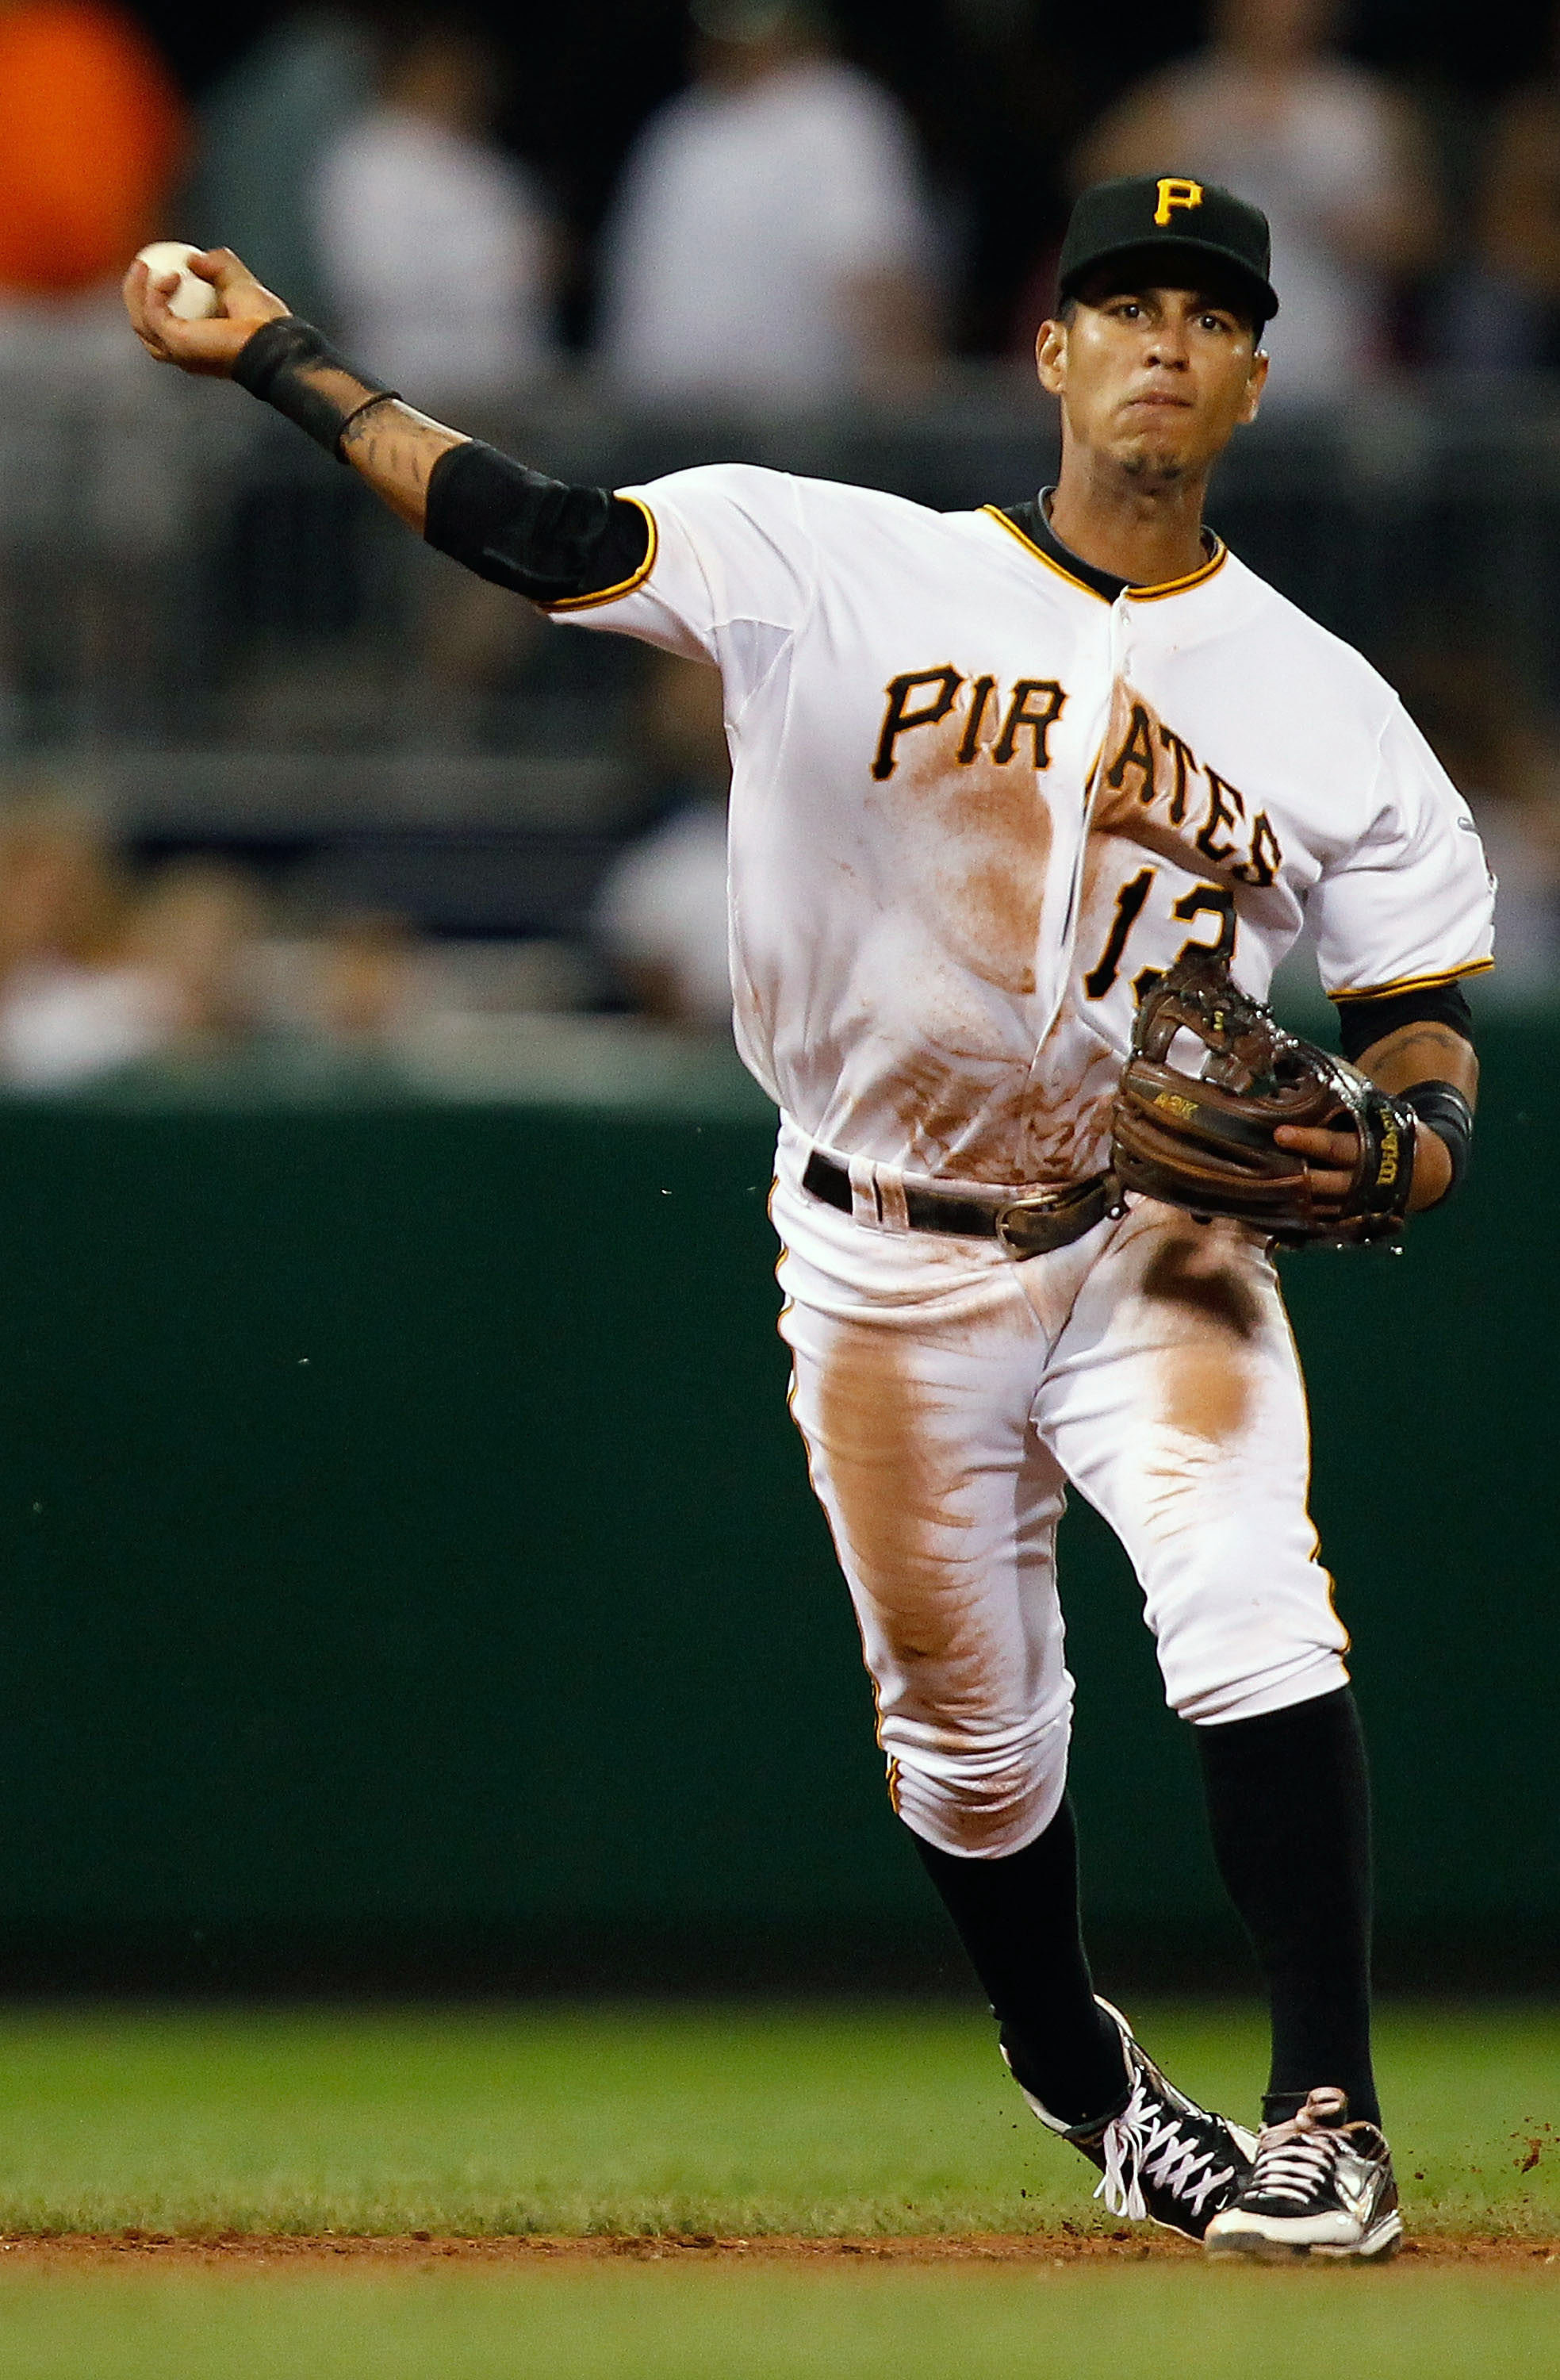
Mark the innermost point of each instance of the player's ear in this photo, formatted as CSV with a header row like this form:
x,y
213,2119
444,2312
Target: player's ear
x,y
1254,386
1050,356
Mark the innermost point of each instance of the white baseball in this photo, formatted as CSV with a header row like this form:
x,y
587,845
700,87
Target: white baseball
x,y
194,299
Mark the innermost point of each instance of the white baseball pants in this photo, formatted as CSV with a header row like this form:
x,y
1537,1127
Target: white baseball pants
x,y
946,1394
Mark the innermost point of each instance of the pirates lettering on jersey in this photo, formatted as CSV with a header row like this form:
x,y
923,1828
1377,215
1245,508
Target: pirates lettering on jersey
x,y
1152,787
1021,720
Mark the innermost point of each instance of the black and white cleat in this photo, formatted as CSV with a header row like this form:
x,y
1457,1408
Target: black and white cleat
x,y
1320,2186
1161,2158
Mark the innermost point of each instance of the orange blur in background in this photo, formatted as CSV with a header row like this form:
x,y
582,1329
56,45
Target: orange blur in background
x,y
91,131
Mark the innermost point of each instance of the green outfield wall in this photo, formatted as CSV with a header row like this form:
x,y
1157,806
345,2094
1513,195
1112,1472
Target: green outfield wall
x,y
404,1541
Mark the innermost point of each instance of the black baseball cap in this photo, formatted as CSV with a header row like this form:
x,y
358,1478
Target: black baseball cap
x,y
1155,214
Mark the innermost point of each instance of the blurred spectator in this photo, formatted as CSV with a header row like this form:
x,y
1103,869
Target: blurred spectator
x,y
768,236
661,913
190,942
437,249
70,1006
363,989
1506,311
1324,146
262,132
92,975
91,133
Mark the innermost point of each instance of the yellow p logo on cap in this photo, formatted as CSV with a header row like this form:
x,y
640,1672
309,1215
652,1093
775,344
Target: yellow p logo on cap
x,y
1173,194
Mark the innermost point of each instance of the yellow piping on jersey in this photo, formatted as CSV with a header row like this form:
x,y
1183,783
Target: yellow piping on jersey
x,y
624,586
997,515
1413,982
1215,561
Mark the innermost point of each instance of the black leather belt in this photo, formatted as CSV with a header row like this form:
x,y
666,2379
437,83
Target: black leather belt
x,y
1032,1226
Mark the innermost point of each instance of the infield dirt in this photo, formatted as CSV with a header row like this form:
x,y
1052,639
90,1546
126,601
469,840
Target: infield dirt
x,y
248,2252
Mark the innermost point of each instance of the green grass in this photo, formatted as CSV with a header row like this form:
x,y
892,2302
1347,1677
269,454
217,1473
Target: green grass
x,y
1177,2322
728,2119
872,2120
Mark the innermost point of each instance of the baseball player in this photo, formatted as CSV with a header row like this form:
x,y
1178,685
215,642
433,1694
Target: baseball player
x,y
998,773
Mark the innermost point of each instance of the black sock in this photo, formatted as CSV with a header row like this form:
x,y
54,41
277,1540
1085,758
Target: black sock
x,y
1290,1811
1018,1919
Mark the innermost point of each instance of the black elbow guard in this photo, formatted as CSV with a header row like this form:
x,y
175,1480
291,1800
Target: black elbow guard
x,y
548,542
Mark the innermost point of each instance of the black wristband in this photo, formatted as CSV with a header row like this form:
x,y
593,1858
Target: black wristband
x,y
276,365
1447,1110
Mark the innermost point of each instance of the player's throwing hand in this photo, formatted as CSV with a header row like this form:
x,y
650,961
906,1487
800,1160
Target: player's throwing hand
x,y
211,346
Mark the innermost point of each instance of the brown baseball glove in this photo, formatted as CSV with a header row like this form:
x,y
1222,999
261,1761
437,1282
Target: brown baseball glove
x,y
1203,1140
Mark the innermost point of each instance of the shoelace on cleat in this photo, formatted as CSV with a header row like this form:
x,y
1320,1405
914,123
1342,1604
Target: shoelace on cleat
x,y
1146,2143
1298,2161
1298,2170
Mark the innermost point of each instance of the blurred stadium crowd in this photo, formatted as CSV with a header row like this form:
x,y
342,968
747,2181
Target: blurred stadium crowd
x,y
273,779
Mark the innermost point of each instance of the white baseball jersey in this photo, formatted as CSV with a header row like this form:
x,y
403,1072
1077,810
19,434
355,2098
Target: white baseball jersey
x,y
973,800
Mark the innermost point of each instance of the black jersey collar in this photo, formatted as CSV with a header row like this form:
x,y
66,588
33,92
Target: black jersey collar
x,y
1032,521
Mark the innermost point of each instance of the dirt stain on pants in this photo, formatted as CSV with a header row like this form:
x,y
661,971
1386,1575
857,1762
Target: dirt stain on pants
x,y
1199,1283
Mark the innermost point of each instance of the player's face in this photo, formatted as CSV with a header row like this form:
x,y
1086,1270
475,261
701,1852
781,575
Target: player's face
x,y
1156,381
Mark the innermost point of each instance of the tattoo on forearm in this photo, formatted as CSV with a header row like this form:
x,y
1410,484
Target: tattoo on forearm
x,y
394,449
1436,1037
1421,1052
390,441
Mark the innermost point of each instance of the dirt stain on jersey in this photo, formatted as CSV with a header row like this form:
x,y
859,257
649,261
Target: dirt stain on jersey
x,y
1050,1122
1045,1123
1017,1132
1198,1282
1068,1135
1023,1125
975,840
945,1099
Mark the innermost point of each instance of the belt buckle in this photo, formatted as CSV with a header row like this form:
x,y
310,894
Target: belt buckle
x,y
1054,1208
1020,1224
